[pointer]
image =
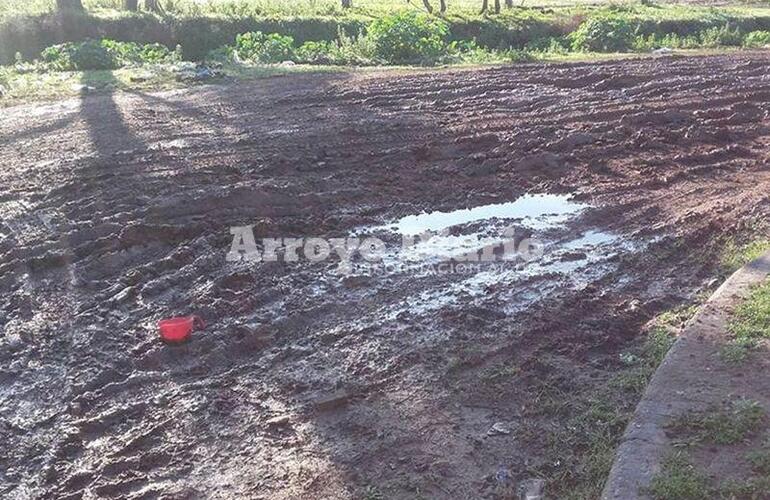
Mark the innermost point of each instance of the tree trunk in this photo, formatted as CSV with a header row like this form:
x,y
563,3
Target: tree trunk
x,y
153,6
428,6
132,5
497,6
69,5
442,7
509,4
346,4
484,6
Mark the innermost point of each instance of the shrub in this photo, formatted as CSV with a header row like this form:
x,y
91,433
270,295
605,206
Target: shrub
x,y
408,37
550,45
757,39
5,78
603,34
670,40
91,54
259,47
317,53
724,36
102,54
471,52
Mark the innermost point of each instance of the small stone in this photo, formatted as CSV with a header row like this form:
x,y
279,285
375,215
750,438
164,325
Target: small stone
x,y
532,489
278,421
333,401
497,429
76,408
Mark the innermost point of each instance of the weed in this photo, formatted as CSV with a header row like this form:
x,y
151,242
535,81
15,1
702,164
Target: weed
x,y
259,47
373,493
724,36
603,34
751,320
760,460
735,255
678,479
408,37
721,426
103,54
757,488
736,351
757,39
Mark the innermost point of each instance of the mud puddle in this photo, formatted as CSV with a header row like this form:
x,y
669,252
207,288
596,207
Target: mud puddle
x,y
526,249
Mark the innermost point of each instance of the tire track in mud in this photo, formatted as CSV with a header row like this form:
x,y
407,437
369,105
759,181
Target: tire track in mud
x,y
674,152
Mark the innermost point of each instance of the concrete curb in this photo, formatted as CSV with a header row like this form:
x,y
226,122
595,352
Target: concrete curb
x,y
687,380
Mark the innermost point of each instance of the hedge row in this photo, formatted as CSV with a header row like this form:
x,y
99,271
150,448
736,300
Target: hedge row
x,y
29,35
197,36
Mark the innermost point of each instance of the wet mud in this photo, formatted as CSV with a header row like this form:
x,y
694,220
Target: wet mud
x,y
117,211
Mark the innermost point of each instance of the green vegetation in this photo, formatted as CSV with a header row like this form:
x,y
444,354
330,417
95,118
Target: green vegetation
x,y
642,363
592,415
749,326
409,37
258,47
399,33
679,480
752,318
104,54
603,34
39,49
757,39
760,459
735,255
721,426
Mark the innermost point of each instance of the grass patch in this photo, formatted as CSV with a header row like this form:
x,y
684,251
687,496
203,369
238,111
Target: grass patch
x,y
756,488
752,318
736,255
721,426
592,417
749,326
200,27
18,88
679,480
760,460
643,362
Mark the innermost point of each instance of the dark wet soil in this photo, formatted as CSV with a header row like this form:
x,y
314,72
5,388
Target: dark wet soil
x,y
117,210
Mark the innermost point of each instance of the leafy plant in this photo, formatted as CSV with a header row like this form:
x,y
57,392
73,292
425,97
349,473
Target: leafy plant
x,y
103,54
408,37
757,39
259,47
679,479
603,34
322,52
724,36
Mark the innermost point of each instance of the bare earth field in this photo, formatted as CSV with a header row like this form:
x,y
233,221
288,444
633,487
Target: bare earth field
x,y
117,211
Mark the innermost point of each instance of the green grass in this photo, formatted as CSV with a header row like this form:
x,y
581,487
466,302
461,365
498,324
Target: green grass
x,y
23,87
29,87
678,479
735,255
593,416
752,318
749,326
280,7
760,459
729,425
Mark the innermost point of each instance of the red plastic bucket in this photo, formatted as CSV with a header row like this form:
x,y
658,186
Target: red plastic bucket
x,y
179,329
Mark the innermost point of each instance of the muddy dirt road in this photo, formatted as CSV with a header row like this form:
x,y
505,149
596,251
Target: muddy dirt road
x,y
117,212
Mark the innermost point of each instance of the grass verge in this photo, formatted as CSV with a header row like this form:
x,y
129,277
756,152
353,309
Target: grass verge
x,y
749,326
